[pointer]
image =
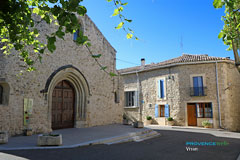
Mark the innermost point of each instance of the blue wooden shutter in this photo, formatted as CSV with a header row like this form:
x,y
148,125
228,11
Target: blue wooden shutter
x,y
166,110
156,110
162,88
159,89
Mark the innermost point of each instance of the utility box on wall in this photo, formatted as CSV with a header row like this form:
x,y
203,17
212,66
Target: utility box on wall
x,y
27,111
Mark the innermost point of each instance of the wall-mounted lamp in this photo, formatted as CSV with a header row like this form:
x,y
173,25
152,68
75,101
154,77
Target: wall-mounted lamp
x,y
171,77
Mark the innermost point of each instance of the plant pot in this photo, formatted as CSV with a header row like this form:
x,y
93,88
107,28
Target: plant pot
x,y
170,123
208,126
3,137
28,132
148,122
138,124
49,140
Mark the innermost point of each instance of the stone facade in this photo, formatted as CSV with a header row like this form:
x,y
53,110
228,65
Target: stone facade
x,y
94,89
177,78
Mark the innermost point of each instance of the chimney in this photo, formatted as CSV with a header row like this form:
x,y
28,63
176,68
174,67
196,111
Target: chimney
x,y
143,62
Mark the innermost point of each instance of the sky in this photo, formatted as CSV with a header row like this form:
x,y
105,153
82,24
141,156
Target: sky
x,y
162,26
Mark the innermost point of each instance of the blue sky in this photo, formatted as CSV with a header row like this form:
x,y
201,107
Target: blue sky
x,y
160,24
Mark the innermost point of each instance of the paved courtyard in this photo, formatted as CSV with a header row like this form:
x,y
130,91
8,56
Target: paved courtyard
x,y
171,145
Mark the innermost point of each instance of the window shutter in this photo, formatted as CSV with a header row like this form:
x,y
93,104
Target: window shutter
x,y
166,110
136,101
162,88
156,110
159,88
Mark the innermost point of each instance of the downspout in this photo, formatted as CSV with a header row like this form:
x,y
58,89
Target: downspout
x,y
138,95
218,101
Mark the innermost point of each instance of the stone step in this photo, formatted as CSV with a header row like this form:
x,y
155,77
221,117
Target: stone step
x,y
137,137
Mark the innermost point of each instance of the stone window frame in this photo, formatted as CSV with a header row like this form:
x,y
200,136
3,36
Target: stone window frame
x,y
5,93
130,90
198,75
78,31
164,78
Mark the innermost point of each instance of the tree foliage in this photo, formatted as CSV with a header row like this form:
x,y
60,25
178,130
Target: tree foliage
x,y
231,29
19,31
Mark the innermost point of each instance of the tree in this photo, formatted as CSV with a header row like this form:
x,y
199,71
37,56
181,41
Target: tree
x,y
18,26
231,29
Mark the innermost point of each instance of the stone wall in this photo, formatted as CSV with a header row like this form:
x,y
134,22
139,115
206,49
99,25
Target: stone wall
x,y
178,82
101,108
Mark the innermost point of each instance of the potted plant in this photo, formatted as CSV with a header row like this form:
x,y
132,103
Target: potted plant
x,y
49,139
148,121
27,132
3,137
170,121
206,124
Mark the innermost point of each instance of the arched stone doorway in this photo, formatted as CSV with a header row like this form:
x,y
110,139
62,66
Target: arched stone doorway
x,y
63,105
80,86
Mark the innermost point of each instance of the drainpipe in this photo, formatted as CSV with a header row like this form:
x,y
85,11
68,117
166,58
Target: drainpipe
x,y
218,101
138,95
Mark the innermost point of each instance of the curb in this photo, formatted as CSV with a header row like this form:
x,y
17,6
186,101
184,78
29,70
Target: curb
x,y
109,140
238,157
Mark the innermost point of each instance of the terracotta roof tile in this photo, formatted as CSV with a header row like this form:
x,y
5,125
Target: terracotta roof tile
x,y
185,58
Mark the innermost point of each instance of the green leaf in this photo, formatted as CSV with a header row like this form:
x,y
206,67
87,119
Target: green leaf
x,y
60,34
117,11
220,35
109,0
124,4
128,20
129,36
112,74
104,68
96,56
217,3
120,25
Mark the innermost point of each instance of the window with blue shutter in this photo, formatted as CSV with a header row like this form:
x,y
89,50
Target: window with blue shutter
x,y
156,110
161,89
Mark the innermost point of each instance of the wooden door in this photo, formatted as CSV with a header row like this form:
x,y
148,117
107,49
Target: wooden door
x,y
191,112
63,106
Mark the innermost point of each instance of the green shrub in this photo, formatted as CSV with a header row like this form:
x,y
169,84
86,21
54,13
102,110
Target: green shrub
x,y
170,119
149,117
206,123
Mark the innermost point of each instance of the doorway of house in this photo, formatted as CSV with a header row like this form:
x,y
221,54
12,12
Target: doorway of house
x,y
192,115
63,105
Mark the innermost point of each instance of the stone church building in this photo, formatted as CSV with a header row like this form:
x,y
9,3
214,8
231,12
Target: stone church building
x,y
67,90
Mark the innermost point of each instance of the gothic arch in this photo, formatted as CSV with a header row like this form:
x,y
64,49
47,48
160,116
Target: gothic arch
x,y
80,85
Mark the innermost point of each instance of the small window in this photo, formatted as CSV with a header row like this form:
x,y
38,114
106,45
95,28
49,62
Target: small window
x,y
208,110
204,110
78,33
131,99
161,93
75,35
1,94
